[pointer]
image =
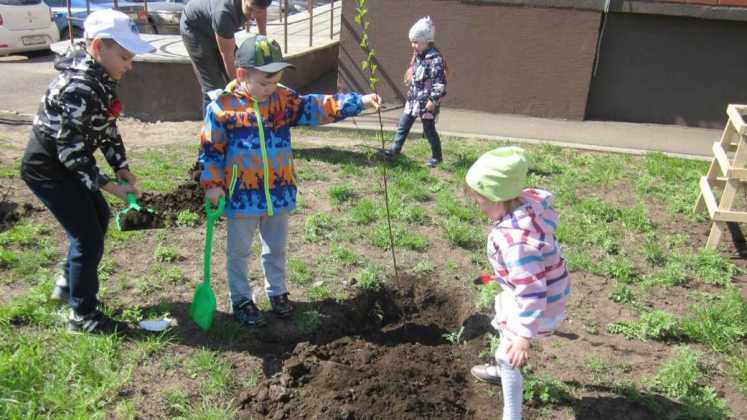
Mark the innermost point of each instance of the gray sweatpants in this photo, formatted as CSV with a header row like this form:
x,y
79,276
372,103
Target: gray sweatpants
x,y
206,62
273,231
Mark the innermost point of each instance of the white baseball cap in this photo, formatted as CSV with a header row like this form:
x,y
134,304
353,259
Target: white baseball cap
x,y
118,26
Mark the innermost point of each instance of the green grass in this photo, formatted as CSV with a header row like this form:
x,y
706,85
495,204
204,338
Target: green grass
x,y
319,292
719,325
448,205
300,273
166,253
544,389
487,295
653,325
340,194
164,168
682,378
213,373
462,234
370,277
622,294
739,372
617,218
44,370
346,256
23,234
364,212
187,218
318,226
403,238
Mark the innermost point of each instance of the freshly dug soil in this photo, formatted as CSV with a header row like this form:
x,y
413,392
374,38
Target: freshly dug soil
x,y
387,357
187,196
139,220
11,213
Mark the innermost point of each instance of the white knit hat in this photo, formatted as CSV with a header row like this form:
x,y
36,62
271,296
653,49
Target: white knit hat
x,y
423,30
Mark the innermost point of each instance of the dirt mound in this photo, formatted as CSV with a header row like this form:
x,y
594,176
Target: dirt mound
x,y
387,357
11,213
187,196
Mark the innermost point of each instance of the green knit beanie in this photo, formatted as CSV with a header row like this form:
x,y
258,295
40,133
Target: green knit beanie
x,y
499,174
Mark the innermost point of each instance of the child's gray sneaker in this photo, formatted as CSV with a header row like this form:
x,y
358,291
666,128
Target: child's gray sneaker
x,y
487,373
247,313
281,306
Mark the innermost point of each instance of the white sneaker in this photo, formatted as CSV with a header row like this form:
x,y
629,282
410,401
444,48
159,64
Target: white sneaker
x,y
487,373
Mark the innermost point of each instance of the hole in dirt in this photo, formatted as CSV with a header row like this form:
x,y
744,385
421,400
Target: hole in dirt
x,y
382,354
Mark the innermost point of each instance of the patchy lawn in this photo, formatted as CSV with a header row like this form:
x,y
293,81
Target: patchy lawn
x,y
655,328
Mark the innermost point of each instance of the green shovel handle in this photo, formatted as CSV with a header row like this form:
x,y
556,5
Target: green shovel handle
x,y
212,216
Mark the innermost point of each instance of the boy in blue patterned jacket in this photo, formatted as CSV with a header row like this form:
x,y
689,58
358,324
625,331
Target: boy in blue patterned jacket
x,y
246,154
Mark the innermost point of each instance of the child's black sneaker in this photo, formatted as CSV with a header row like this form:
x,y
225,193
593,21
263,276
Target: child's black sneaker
x,y
281,306
95,323
433,162
247,313
390,153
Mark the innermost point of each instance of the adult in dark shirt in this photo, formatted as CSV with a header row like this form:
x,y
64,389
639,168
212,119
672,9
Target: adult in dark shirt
x,y
208,28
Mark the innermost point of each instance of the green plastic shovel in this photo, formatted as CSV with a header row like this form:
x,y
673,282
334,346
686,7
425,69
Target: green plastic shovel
x,y
203,303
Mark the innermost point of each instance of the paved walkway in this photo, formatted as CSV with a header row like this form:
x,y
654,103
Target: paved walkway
x,y
636,138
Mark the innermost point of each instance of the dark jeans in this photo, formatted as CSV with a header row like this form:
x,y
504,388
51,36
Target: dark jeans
x,y
85,216
207,63
429,129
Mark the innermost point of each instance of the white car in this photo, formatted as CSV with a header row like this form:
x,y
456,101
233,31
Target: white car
x,y
26,25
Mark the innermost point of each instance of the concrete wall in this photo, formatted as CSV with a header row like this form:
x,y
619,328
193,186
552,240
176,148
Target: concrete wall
x,y
664,69
668,61
169,91
502,59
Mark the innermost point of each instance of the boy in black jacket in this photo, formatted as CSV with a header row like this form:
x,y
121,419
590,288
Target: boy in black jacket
x,y
78,115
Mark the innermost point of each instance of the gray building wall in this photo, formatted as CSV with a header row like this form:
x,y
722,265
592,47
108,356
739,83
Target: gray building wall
x,y
659,62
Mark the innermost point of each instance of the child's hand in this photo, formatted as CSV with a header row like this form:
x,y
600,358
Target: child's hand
x,y
430,106
120,190
214,194
518,352
126,175
371,101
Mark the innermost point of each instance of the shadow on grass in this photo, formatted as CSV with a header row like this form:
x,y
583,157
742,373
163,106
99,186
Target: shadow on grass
x,y
365,156
629,404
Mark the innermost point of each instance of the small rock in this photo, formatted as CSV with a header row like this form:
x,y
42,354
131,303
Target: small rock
x,y
279,393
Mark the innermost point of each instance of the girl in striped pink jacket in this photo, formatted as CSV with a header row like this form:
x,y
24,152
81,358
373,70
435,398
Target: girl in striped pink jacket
x,y
528,265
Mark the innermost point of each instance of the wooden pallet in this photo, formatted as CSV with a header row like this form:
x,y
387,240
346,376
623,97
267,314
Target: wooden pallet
x,y
728,172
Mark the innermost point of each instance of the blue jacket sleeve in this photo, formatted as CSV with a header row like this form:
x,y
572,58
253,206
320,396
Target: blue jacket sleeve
x,y
317,109
213,145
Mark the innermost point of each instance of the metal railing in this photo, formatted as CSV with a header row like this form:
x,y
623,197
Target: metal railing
x,y
284,14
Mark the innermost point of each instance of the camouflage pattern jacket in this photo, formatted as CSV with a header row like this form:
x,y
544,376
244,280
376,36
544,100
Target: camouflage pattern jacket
x,y
77,115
